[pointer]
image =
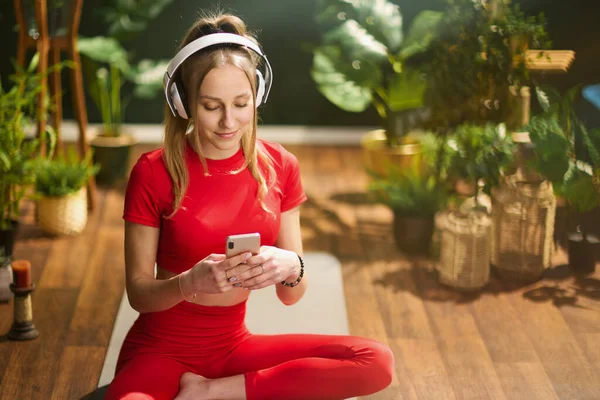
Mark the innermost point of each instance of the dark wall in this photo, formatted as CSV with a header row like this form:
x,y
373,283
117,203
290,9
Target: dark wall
x,y
284,28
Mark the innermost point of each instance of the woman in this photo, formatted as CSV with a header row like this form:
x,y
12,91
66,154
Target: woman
x,y
213,178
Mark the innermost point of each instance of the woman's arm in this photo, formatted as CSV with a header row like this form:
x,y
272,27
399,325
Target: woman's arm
x,y
290,238
145,292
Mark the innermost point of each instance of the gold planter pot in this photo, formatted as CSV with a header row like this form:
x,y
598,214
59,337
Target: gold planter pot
x,y
378,156
66,215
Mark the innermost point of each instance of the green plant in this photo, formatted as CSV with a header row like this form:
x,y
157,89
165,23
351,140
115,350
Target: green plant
x,y
19,154
566,152
410,193
64,175
421,189
108,65
479,153
107,69
364,58
474,62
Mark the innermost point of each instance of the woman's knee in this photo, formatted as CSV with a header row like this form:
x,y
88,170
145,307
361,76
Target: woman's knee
x,y
383,364
378,364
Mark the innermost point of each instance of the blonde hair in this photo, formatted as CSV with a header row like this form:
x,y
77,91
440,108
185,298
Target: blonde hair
x,y
192,73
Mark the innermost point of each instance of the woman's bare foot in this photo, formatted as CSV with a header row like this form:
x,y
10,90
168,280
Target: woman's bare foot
x,y
193,387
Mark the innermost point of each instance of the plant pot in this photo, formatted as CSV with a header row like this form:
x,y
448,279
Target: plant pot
x,y
413,233
8,238
583,251
378,156
112,153
523,222
465,247
65,215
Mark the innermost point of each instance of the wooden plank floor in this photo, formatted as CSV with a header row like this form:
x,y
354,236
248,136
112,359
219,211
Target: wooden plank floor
x,y
541,341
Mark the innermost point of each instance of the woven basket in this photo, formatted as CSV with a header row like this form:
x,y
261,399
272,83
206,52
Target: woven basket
x,y
65,215
523,215
464,249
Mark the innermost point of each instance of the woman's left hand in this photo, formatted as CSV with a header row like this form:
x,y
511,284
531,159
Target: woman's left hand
x,y
271,266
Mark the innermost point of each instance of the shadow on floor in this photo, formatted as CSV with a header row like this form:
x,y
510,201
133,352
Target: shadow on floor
x,y
558,285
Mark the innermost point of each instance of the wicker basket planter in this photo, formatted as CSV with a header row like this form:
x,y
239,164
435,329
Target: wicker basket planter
x,y
523,215
464,249
65,215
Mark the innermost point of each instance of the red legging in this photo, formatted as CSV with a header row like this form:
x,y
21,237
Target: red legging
x,y
213,342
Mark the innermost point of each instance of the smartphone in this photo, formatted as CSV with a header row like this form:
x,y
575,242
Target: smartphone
x,y
238,244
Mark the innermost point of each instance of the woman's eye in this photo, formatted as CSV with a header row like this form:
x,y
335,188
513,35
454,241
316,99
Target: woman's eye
x,y
241,105
208,108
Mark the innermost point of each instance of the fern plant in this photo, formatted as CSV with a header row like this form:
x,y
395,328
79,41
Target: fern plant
x,y
419,190
64,175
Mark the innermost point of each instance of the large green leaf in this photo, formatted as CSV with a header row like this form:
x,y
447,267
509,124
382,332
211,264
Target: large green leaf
x,y
362,72
333,12
423,31
356,43
335,85
382,19
406,90
104,50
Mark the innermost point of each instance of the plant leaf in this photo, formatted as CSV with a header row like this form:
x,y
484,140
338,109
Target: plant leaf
x,y
104,50
335,85
423,31
356,43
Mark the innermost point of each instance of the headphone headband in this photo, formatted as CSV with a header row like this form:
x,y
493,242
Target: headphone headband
x,y
207,41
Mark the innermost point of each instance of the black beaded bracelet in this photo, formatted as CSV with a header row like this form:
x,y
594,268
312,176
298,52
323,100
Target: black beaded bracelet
x,y
284,283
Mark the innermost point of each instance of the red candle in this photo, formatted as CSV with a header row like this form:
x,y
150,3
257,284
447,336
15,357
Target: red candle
x,y
21,273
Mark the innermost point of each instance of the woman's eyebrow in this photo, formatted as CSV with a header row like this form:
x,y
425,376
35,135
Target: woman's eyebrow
x,y
246,94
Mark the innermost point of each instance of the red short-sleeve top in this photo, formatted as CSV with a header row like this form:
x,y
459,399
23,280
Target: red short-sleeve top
x,y
215,205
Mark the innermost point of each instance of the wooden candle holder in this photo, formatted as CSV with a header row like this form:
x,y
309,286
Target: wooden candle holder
x,y
22,327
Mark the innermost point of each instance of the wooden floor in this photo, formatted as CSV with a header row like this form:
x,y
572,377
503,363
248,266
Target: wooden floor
x,y
541,341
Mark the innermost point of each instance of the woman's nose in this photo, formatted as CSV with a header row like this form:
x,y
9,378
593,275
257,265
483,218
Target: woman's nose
x,y
227,120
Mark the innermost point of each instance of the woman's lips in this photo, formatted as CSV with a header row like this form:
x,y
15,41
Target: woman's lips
x,y
226,135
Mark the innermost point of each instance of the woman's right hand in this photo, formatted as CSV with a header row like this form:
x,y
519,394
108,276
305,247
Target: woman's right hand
x,y
209,275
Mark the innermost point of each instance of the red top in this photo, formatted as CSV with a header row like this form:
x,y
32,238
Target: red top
x,y
213,207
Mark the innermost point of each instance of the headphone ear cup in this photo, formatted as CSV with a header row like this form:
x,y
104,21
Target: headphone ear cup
x,y
179,100
260,88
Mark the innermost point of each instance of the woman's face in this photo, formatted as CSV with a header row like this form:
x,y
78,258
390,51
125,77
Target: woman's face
x,y
225,111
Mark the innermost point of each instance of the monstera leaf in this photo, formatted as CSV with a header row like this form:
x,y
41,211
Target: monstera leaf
x,y
356,43
337,86
380,18
422,32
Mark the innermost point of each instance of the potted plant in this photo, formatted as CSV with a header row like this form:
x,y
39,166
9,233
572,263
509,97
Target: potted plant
x,y
18,153
568,154
478,155
365,59
113,80
60,189
472,66
414,195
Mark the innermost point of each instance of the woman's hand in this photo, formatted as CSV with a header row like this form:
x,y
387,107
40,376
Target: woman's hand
x,y
210,274
271,266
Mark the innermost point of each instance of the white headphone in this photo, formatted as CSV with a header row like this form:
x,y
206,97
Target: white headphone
x,y
174,90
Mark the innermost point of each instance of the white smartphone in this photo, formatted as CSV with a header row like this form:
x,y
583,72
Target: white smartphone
x,y
238,244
